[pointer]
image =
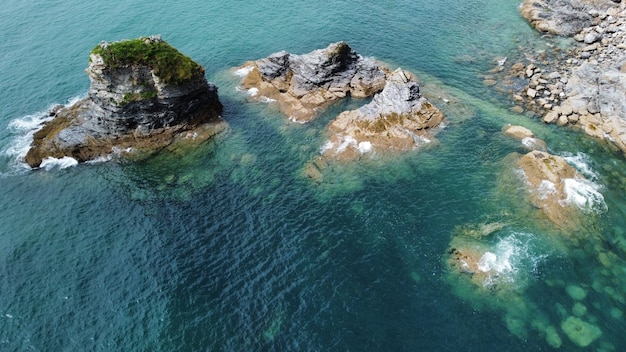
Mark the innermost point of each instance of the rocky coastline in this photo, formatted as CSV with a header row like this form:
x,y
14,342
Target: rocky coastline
x,y
584,86
143,95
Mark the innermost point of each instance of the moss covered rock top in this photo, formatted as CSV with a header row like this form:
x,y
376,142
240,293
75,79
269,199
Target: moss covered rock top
x,y
168,64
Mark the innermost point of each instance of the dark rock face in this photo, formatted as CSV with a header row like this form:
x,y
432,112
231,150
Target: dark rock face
x,y
301,84
129,106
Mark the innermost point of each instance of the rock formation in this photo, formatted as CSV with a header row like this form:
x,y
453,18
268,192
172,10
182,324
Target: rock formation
x,y
557,188
526,136
302,84
583,87
398,118
562,17
143,95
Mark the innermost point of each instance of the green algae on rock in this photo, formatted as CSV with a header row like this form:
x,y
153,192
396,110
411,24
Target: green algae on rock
x,y
168,64
144,94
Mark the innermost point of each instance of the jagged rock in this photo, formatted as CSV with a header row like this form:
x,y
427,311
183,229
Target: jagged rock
x,y
143,94
398,118
302,84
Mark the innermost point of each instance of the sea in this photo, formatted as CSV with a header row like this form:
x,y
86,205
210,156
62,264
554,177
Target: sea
x,y
227,246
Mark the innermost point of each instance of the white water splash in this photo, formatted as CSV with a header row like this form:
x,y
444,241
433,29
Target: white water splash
x,y
546,189
51,163
22,130
244,71
583,194
512,260
582,163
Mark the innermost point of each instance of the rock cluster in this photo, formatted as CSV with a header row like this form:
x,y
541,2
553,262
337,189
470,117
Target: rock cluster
x,y
586,88
302,84
143,94
398,118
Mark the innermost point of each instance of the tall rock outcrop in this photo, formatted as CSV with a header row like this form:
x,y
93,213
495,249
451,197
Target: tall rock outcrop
x,y
143,95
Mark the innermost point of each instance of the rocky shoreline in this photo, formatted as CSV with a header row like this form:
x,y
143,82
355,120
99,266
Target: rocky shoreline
x,y
583,87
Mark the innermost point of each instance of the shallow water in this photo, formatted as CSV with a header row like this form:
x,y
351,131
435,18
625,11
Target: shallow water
x,y
227,247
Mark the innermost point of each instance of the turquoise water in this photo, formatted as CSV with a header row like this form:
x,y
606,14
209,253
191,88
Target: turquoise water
x,y
226,247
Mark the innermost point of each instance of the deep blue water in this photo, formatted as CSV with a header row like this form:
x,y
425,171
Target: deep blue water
x,y
226,247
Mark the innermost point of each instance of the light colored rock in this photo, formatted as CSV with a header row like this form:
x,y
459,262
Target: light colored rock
x,y
551,117
566,109
592,37
531,92
397,119
518,132
562,121
560,17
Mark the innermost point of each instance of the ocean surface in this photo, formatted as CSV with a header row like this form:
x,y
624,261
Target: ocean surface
x,y
227,247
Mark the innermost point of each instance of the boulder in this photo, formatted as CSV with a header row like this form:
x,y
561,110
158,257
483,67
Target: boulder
x,y
302,84
397,119
518,132
557,188
143,95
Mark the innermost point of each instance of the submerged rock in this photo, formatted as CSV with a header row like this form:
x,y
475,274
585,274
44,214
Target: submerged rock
x,y
580,332
143,95
301,84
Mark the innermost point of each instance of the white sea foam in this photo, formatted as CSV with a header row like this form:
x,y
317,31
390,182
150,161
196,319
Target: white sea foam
x,y
512,260
242,72
100,159
265,99
490,261
365,147
347,141
582,163
327,146
545,189
51,163
583,194
253,92
22,130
